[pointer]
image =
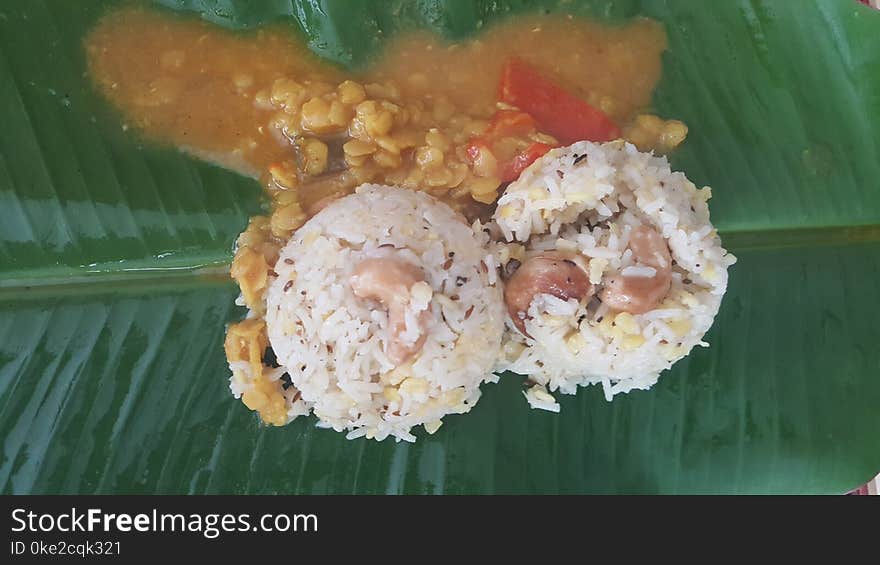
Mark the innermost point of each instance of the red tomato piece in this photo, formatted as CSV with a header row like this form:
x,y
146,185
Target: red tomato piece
x,y
556,111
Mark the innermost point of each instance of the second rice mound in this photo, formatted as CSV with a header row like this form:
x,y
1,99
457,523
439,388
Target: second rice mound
x,y
386,313
640,270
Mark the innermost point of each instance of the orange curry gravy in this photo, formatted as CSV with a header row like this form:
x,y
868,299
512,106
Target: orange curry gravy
x,y
213,92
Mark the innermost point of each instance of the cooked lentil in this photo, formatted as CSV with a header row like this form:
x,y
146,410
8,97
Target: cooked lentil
x,y
262,104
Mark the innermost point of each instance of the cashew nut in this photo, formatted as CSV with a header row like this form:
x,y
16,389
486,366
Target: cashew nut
x,y
390,281
553,273
639,294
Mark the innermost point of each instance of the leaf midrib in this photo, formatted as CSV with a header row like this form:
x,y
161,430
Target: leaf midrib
x,y
213,268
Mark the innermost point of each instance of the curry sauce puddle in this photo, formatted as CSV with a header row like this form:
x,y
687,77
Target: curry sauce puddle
x,y
204,89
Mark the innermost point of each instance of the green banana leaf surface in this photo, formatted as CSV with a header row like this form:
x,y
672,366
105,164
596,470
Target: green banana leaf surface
x,y
112,372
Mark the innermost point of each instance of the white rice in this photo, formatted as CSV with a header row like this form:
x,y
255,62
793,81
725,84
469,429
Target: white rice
x,y
333,344
588,198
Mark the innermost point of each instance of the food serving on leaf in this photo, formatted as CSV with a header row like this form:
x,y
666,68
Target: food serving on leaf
x,y
423,204
613,269
382,325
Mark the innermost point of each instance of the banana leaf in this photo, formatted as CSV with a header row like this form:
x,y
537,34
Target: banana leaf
x,y
112,373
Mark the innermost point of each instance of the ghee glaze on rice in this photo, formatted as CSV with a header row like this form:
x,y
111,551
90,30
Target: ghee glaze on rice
x,y
386,313
620,270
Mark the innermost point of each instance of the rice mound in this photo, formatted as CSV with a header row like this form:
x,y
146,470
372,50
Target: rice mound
x,y
333,344
587,199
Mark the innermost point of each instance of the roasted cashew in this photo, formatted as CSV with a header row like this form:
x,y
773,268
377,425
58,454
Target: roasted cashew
x,y
389,281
